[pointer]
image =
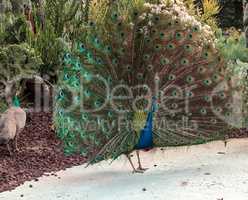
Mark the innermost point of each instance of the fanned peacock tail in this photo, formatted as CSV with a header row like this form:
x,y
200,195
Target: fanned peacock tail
x,y
153,51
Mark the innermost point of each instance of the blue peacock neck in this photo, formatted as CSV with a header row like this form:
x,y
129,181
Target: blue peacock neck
x,y
146,135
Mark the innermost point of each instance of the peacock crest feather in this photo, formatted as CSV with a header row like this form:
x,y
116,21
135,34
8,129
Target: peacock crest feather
x,y
153,51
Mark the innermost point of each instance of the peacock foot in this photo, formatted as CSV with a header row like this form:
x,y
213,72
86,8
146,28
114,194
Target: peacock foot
x,y
138,171
142,169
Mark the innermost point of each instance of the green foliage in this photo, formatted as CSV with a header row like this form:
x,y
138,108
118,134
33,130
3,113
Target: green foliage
x,y
61,13
206,13
233,49
233,46
3,106
13,29
18,61
50,48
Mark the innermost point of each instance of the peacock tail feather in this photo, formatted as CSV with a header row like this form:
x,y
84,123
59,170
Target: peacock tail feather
x,y
152,50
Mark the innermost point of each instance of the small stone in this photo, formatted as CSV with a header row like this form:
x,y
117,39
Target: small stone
x,y
155,165
30,186
144,189
21,195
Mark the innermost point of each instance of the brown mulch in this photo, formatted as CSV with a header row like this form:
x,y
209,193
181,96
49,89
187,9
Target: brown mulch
x,y
40,153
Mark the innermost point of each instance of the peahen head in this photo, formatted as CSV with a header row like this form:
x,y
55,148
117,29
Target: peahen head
x,y
15,102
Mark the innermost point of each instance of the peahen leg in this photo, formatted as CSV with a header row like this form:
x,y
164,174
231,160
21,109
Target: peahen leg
x,y
139,162
131,163
16,140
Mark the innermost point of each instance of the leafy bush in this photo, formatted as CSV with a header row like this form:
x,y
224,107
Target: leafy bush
x,y
50,48
232,45
17,62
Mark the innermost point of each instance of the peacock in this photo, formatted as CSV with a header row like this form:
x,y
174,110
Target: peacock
x,y
144,77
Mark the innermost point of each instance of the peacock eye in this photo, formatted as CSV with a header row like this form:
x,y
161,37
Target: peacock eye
x,y
184,61
174,106
218,109
122,34
128,67
216,77
206,55
195,29
228,114
61,112
222,95
85,117
157,47
170,46
189,94
114,16
214,121
87,93
178,36
66,77
140,76
207,98
190,36
110,114
114,61
61,94
162,35
97,103
165,61
228,105
190,79
174,93
97,41
122,50
157,18
91,23
207,82
203,111
146,57
172,77
148,40
150,67
99,61
201,70
135,13
67,57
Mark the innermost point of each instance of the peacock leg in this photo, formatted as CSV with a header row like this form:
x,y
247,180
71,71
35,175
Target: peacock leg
x,y
131,163
139,162
9,149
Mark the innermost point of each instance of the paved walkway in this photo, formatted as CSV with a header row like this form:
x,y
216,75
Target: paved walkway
x,y
203,172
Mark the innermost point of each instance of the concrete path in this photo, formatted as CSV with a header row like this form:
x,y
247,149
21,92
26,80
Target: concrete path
x,y
203,172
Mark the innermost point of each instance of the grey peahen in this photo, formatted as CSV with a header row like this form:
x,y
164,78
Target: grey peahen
x,y
12,122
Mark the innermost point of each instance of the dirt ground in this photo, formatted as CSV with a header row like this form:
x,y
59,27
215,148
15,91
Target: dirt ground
x,y
40,153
